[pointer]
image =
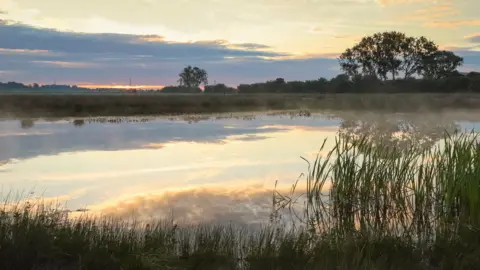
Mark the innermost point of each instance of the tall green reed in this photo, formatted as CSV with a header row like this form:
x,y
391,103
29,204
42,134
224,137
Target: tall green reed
x,y
375,191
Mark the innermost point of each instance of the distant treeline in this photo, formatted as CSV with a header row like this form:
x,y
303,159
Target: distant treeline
x,y
365,84
343,84
20,86
340,84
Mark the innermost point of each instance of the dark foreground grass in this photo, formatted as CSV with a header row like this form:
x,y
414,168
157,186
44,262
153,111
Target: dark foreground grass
x,y
386,209
28,105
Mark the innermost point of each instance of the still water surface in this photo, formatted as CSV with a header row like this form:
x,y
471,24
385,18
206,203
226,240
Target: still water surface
x,y
217,169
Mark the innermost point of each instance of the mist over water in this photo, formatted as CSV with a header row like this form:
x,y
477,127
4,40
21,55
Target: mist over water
x,y
194,169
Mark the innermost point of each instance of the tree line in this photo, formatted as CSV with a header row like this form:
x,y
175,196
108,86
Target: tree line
x,y
383,62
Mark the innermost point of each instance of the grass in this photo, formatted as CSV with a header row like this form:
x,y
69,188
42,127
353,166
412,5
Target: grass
x,y
29,105
366,207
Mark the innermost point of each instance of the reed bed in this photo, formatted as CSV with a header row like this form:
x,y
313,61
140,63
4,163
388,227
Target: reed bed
x,y
366,206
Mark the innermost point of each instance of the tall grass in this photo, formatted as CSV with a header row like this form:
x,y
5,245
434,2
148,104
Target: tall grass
x,y
425,199
366,207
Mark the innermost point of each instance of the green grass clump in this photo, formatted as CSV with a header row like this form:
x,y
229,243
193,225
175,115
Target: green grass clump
x,y
426,202
366,207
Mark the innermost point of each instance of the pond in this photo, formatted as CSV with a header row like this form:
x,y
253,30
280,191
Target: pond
x,y
194,169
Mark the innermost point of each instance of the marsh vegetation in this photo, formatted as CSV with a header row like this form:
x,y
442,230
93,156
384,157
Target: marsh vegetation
x,y
366,206
38,106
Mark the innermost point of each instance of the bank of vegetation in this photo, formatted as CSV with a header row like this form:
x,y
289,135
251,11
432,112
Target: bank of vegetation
x,y
367,206
61,106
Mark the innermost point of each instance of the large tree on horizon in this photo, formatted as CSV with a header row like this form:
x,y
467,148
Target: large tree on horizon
x,y
192,77
388,54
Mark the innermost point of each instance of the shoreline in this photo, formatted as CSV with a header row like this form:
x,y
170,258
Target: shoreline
x,y
97,105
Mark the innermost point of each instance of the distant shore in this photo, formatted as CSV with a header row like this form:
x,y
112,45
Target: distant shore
x,y
130,104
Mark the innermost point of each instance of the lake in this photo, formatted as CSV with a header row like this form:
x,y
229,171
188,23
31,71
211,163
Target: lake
x,y
195,169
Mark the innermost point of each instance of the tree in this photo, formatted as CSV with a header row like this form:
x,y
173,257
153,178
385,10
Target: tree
x,y
387,53
219,88
193,77
414,50
441,64
280,81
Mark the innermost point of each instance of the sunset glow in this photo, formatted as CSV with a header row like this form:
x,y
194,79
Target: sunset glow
x,y
124,87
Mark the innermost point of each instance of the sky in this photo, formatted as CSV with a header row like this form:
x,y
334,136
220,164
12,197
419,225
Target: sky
x,y
105,42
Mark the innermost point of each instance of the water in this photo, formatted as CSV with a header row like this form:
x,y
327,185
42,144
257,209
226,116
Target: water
x,y
219,169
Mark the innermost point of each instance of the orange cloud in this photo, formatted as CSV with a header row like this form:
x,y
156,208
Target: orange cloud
x,y
430,13
303,56
121,86
211,42
473,38
452,23
245,204
152,38
393,2
154,145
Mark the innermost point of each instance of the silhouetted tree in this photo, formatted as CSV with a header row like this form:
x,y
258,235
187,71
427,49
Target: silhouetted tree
x,y
219,88
181,89
280,81
387,53
440,64
340,83
413,50
192,77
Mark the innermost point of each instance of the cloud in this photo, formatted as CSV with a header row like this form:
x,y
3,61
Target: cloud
x,y
249,204
64,64
251,46
452,23
315,29
23,51
431,13
18,36
348,37
112,174
226,43
73,58
152,38
395,2
43,139
474,38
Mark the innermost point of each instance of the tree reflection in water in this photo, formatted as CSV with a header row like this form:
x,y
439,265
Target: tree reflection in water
x,y
404,132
